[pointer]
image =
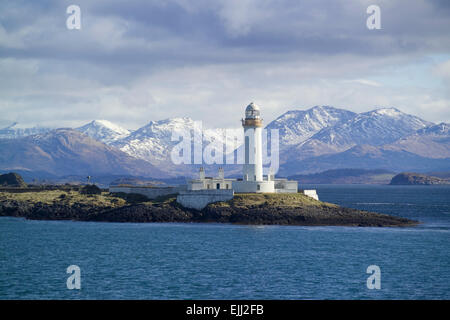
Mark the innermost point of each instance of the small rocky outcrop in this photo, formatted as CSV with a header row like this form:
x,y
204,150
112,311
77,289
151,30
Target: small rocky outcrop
x,y
411,178
12,179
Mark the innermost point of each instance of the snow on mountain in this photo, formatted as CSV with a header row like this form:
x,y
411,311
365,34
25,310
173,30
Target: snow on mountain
x,y
69,152
441,129
104,131
153,142
14,131
431,142
376,128
297,126
309,139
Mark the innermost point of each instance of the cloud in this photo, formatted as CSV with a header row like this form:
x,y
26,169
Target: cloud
x,y
137,61
443,70
364,82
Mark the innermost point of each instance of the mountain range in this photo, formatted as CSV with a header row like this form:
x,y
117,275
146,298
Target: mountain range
x,y
314,140
69,152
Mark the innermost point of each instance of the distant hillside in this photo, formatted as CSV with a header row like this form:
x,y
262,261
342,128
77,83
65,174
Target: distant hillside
x,y
431,142
66,151
411,178
367,157
347,176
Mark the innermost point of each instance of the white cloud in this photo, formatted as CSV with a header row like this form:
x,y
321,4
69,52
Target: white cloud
x,y
364,82
443,69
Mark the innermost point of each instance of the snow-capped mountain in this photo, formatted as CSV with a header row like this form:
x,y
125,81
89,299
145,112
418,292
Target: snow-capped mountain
x,y
68,152
296,126
104,131
431,142
441,129
153,142
13,131
312,140
376,128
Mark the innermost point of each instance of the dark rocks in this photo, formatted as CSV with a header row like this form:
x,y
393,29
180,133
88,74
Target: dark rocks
x,y
303,216
14,208
90,189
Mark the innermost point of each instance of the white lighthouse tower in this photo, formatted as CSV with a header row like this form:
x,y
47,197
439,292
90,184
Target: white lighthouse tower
x,y
252,171
252,124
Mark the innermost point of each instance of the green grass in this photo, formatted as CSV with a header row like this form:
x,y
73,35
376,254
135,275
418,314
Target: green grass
x,y
68,198
272,200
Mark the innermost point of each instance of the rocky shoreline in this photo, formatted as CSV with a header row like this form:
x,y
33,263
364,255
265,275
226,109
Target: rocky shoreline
x,y
261,209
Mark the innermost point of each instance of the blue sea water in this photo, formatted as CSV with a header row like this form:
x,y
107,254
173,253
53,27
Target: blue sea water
x,y
218,261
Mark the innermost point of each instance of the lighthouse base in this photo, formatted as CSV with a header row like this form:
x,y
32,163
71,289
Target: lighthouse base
x,y
240,186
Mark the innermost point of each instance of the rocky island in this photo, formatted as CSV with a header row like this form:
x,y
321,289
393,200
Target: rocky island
x,y
411,178
82,204
12,180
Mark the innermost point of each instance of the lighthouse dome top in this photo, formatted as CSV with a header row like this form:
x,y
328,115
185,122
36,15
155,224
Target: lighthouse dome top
x,y
252,112
252,106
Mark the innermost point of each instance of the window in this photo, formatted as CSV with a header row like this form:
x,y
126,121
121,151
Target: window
x,y
258,187
227,186
218,186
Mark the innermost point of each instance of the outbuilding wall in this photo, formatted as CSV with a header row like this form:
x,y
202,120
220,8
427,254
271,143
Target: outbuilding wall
x,y
198,199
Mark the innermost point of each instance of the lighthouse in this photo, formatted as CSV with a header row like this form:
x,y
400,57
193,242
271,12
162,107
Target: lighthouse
x,y
199,192
252,169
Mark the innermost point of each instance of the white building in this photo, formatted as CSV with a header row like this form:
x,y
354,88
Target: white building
x,y
208,183
253,180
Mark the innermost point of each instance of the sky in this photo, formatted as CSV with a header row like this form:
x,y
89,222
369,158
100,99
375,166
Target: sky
x,y
136,61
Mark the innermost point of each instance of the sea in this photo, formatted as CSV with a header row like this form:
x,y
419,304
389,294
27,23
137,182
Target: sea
x,y
224,261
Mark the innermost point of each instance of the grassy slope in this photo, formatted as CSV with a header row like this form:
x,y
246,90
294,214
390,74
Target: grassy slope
x,y
67,198
279,200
